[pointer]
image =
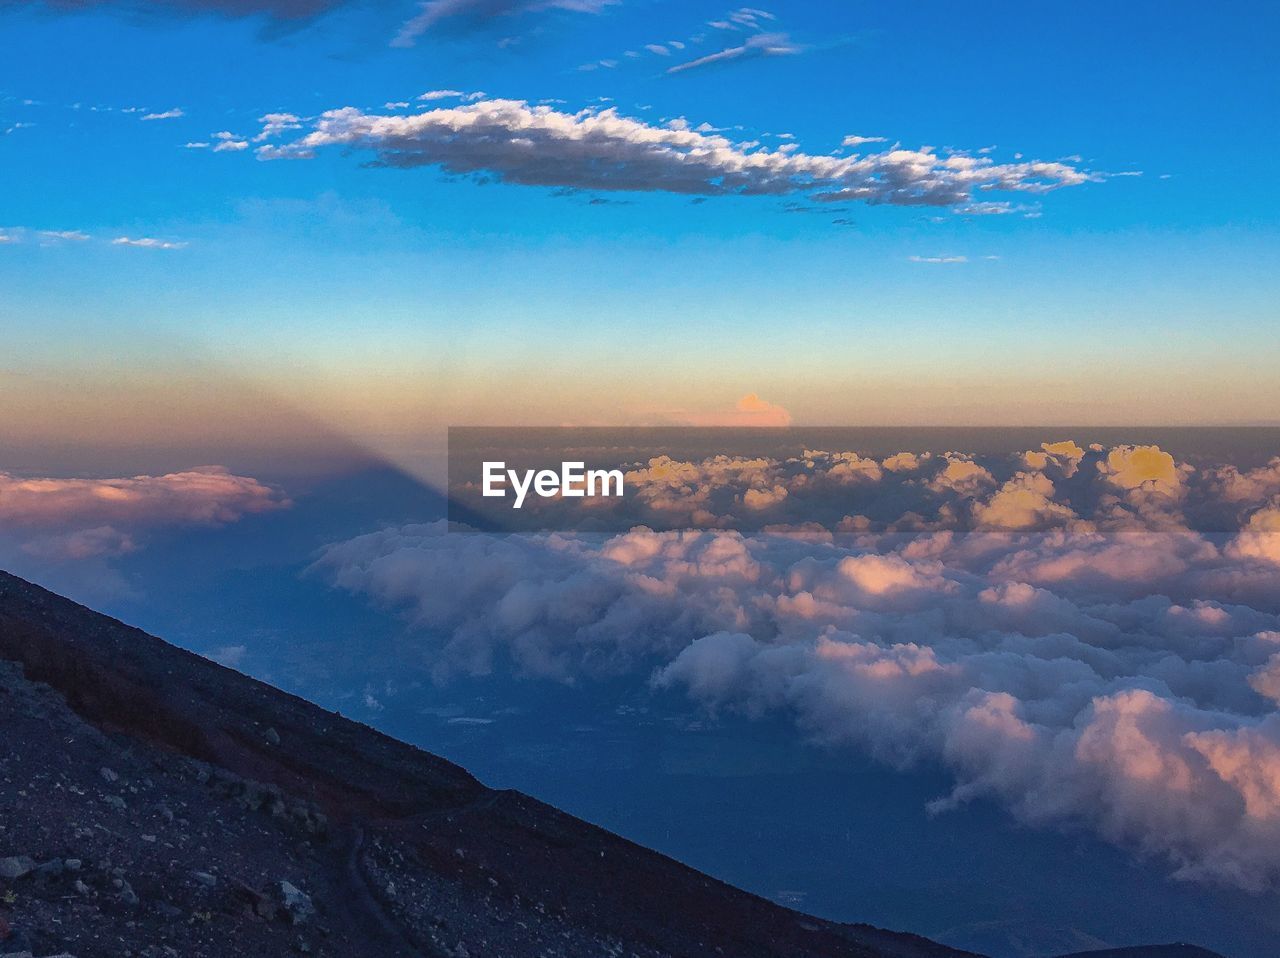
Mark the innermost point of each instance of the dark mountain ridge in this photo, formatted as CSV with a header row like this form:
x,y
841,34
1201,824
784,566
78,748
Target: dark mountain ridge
x,y
154,803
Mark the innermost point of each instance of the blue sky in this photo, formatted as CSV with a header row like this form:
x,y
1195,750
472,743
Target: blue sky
x,y
1129,296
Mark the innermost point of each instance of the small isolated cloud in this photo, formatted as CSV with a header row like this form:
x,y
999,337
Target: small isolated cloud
x,y
750,410
472,13
861,140
600,149
938,259
273,124
147,242
228,142
174,114
63,236
232,656
744,18
431,95
760,45
95,543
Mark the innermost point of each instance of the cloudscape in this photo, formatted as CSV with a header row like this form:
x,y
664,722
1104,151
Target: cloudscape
x,y
520,478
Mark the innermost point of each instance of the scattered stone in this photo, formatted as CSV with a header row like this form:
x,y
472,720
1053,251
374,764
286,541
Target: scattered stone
x,y
16,867
108,775
272,736
296,903
51,869
204,878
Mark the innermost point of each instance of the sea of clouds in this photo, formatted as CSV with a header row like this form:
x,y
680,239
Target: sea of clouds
x,y
1118,667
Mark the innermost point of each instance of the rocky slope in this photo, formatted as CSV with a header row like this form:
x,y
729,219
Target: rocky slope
x,y
153,803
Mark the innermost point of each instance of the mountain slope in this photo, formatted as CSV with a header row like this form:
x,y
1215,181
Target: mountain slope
x,y
155,803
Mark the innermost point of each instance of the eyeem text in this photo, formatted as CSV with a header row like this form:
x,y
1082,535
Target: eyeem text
x,y
574,480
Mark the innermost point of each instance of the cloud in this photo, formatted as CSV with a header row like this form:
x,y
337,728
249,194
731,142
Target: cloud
x,y
72,520
174,114
861,140
207,496
599,149
470,13
228,142
938,259
147,242
273,124
68,236
744,18
284,11
1130,713
759,45
748,411
82,544
1122,680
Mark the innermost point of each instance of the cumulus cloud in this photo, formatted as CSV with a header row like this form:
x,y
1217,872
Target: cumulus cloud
x,y
1126,680
209,495
433,13
599,149
71,519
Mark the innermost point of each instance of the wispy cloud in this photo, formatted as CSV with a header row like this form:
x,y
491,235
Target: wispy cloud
x,y
147,242
175,114
760,45
470,13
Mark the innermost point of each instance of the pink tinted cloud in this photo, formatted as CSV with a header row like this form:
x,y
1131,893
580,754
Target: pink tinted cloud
x,y
210,495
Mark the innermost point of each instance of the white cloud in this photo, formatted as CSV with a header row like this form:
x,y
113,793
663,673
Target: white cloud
x,y
861,140
603,150
174,114
147,242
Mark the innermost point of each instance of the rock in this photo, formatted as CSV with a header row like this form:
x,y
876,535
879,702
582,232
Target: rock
x,y
109,776
80,887
16,867
73,864
296,903
272,736
52,868
115,801
127,894
204,878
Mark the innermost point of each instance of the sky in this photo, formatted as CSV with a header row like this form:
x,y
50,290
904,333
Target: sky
x,y
597,244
